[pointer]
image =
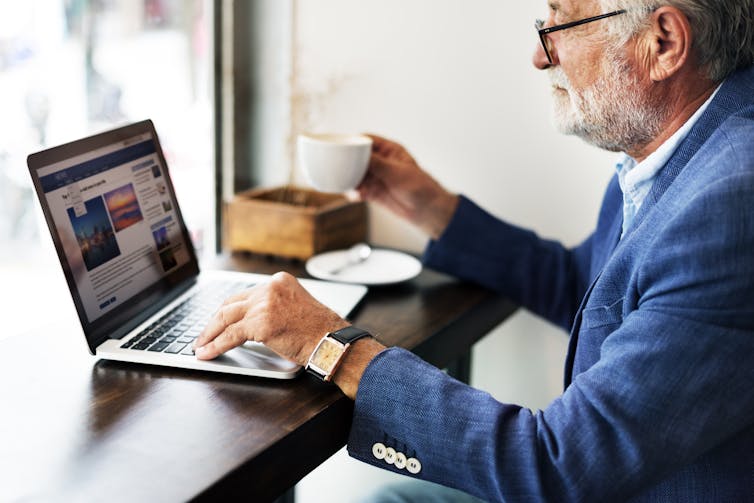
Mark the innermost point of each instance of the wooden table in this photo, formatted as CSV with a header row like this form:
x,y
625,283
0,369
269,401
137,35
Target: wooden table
x,y
73,428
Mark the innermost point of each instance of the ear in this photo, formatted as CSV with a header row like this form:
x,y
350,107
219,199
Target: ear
x,y
666,45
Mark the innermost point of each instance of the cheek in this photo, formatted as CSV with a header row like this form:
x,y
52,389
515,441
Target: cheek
x,y
581,63
582,77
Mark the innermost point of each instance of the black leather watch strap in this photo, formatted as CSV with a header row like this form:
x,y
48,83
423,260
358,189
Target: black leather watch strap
x,y
349,335
345,336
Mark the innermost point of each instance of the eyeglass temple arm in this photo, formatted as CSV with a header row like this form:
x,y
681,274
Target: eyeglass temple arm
x,y
551,29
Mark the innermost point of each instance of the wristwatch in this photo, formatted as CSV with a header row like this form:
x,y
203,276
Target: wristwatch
x,y
330,351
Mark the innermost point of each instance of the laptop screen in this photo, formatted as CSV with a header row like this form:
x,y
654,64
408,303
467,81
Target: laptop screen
x,y
114,218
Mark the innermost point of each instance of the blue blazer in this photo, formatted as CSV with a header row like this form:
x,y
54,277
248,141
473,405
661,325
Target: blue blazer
x,y
659,379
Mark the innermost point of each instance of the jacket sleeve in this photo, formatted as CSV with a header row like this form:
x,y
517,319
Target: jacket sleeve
x,y
538,274
633,419
672,382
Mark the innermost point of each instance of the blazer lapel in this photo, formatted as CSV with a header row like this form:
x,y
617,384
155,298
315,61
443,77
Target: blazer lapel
x,y
734,95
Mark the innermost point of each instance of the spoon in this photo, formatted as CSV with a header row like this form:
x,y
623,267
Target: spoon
x,y
356,254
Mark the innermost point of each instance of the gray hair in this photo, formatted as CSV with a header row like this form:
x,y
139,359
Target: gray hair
x,y
723,30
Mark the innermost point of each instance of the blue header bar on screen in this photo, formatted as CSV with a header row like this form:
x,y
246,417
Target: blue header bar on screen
x,y
94,166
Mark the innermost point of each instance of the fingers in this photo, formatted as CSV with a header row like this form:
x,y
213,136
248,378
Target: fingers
x,y
375,189
232,324
233,309
280,313
389,148
386,168
381,144
231,337
237,297
218,327
375,172
370,188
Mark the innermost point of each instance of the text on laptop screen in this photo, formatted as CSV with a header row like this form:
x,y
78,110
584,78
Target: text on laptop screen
x,y
116,220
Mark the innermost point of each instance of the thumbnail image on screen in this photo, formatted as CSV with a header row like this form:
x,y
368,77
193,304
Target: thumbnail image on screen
x,y
124,207
94,234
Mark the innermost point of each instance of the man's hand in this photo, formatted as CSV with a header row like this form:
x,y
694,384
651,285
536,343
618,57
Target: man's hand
x,y
396,181
281,314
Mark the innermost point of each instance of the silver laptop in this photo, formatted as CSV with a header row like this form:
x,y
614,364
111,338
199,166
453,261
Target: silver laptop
x,y
130,264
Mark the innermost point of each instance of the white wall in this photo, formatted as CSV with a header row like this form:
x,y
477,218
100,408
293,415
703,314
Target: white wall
x,y
451,80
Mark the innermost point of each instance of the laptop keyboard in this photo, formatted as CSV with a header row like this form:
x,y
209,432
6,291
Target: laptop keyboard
x,y
176,331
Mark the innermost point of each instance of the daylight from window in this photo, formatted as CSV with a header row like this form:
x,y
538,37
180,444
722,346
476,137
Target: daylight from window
x,y
70,68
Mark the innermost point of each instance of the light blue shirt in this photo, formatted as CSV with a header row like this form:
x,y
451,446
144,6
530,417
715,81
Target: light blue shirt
x,y
636,180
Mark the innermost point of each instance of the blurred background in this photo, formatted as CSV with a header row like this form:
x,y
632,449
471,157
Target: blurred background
x,y
69,68
451,80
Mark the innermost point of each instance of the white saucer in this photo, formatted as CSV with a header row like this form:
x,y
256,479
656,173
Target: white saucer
x,y
383,267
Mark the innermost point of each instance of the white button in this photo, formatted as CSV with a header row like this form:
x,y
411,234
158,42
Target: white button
x,y
390,455
413,466
400,460
378,450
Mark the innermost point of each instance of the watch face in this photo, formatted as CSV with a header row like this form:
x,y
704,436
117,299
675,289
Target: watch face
x,y
327,354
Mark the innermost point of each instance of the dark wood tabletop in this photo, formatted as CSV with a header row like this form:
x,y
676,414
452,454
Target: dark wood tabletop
x,y
74,428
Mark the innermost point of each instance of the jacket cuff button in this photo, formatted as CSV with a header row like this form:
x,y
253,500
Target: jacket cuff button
x,y
400,460
413,466
378,450
390,455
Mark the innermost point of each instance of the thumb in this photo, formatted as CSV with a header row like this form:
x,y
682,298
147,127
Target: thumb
x,y
385,167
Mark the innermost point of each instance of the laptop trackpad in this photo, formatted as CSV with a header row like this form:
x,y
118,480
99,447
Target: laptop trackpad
x,y
255,355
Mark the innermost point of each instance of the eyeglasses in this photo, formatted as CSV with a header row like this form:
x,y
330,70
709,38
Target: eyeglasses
x,y
543,32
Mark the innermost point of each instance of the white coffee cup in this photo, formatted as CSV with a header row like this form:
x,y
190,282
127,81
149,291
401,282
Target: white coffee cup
x,y
334,162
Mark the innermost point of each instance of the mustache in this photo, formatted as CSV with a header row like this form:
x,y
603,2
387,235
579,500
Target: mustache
x,y
558,78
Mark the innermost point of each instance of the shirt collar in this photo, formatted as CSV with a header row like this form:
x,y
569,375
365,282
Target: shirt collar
x,y
636,179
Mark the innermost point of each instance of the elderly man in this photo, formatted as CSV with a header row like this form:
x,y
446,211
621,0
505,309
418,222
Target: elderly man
x,y
659,300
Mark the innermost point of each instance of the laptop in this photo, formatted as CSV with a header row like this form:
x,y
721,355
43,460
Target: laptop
x,y
129,262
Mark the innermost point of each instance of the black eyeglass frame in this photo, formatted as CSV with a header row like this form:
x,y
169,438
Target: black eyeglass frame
x,y
543,32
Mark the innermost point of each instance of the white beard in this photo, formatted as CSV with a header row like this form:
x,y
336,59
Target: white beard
x,y
614,113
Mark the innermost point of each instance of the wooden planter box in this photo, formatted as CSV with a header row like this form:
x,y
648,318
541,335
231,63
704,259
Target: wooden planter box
x,y
293,222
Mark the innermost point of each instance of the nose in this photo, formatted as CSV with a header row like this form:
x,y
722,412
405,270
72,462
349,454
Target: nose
x,y
539,58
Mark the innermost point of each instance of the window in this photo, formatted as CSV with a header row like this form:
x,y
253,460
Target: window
x,y
69,68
